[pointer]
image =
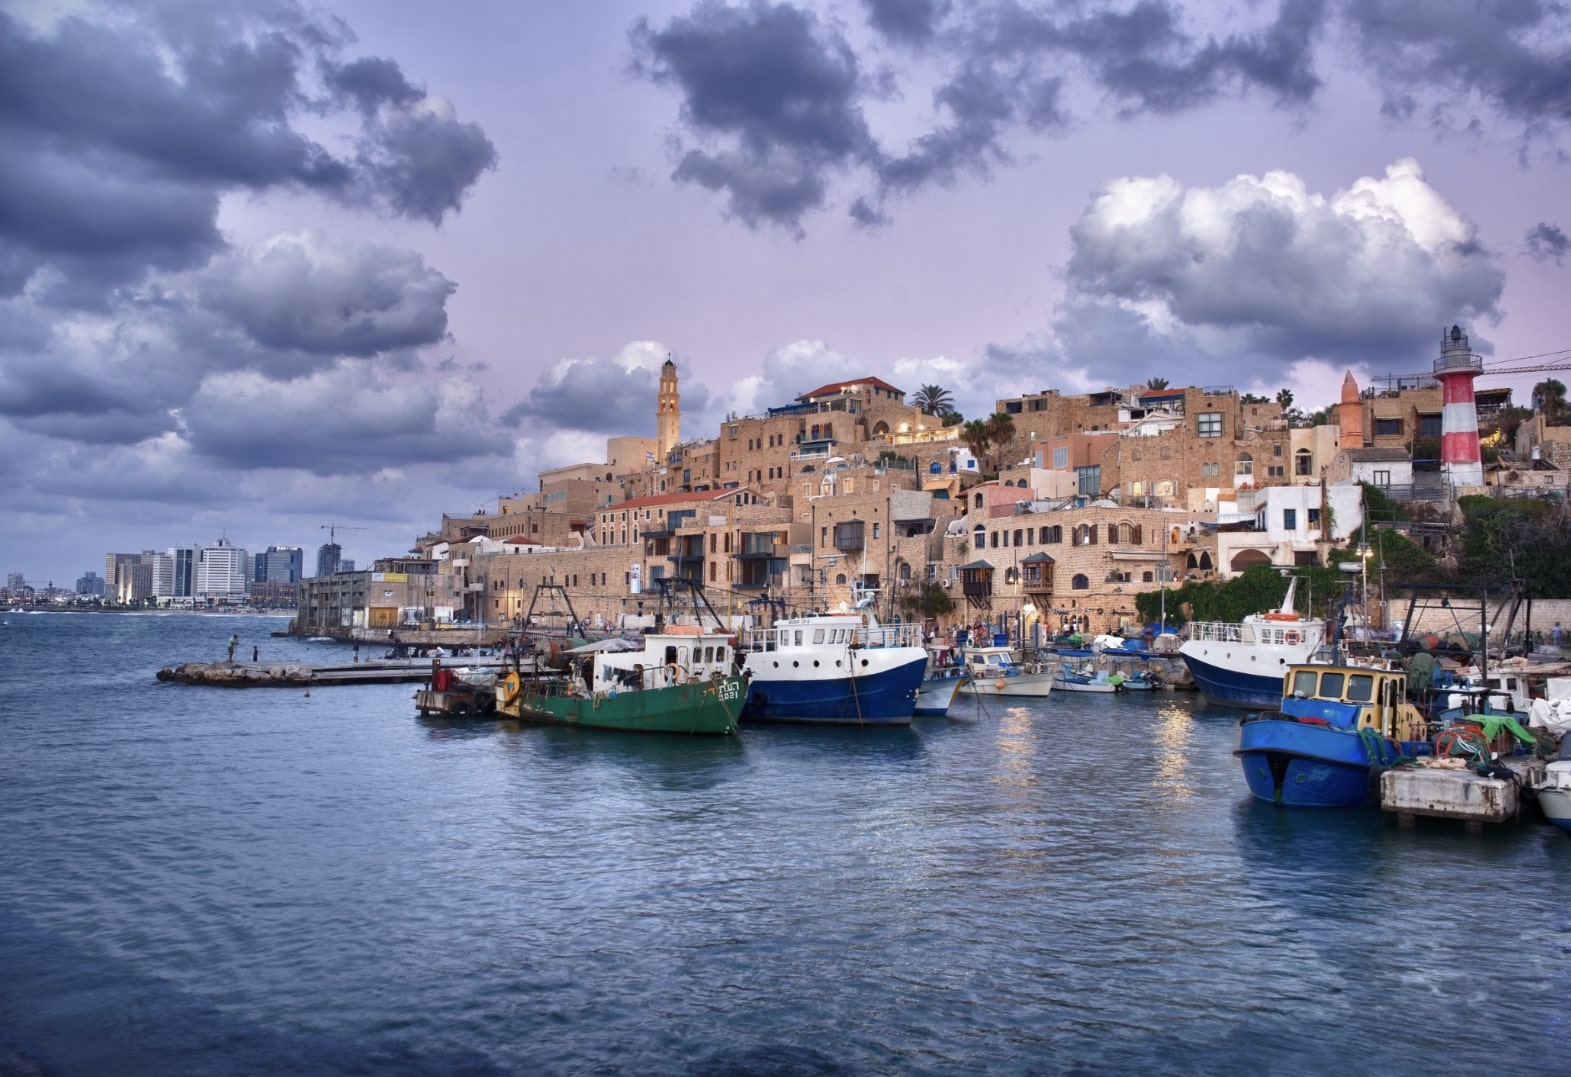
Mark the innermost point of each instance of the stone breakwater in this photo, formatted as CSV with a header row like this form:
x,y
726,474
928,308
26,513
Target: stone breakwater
x,y
237,674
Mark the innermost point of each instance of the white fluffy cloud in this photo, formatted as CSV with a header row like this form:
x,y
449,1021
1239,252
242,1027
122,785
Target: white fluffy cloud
x,y
1203,285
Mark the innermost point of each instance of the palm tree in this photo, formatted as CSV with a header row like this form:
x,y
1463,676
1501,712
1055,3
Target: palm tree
x,y
1156,383
1549,398
1001,428
974,435
934,400
1284,400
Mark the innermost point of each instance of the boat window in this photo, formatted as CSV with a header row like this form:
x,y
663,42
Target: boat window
x,y
799,637
709,654
1361,688
818,635
1331,685
1304,682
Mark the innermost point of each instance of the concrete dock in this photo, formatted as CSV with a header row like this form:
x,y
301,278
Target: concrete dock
x,y
1448,789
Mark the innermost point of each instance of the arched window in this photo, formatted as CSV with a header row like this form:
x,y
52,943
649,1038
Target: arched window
x,y
979,537
1164,488
1248,559
1080,583
1126,534
840,577
1146,577
1302,462
977,502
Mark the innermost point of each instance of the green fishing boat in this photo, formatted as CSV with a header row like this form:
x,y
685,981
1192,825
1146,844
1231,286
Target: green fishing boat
x,y
680,679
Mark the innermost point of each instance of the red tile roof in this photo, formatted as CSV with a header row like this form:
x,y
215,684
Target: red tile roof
x,y
836,387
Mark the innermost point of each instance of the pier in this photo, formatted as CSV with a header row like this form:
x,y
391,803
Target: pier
x,y
297,675
1437,790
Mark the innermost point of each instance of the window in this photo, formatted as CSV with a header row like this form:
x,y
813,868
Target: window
x,y
1165,488
1080,583
1276,471
1302,462
1210,471
1388,428
1276,450
1208,424
1244,466
1312,517
1382,478
1429,426
1290,519
1061,457
1134,454
1090,480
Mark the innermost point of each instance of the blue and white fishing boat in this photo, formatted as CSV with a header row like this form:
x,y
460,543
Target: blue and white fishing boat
x,y
836,668
1336,727
1106,682
994,672
939,688
1241,664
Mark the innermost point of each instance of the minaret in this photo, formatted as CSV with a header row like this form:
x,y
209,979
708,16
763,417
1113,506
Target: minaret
x,y
1455,370
668,413
1350,415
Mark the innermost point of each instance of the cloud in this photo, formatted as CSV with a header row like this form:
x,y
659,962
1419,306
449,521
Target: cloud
x,y
907,22
337,422
1547,242
775,88
304,293
610,395
1260,270
124,126
1512,58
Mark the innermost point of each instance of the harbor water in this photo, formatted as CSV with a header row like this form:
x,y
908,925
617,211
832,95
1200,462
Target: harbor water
x,y
208,881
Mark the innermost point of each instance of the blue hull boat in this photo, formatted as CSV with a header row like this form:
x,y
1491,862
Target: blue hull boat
x,y
1337,729
882,698
1232,688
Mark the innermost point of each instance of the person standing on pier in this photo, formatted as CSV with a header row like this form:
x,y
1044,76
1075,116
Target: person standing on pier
x,y
357,651
234,641
254,652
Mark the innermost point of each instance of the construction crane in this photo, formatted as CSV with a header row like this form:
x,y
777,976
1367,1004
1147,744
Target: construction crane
x,y
333,529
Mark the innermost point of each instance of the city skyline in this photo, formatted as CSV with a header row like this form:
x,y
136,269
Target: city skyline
x,y
371,263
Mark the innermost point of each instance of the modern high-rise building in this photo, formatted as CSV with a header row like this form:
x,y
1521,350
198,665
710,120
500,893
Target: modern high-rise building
x,y
186,558
328,556
221,572
279,564
15,581
90,584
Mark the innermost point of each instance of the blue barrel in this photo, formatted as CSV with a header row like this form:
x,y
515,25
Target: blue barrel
x,y
1000,639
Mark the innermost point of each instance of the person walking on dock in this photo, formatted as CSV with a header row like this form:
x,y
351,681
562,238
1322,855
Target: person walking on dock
x,y
255,651
234,641
357,651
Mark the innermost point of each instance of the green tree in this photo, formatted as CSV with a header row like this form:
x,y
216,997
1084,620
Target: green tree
x,y
976,436
1156,384
934,400
1516,538
1549,400
926,600
1284,399
1001,429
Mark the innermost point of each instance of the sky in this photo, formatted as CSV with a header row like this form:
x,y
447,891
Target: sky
x,y
267,268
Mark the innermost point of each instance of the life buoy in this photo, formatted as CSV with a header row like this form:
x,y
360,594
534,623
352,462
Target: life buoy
x,y
1278,615
673,673
1291,637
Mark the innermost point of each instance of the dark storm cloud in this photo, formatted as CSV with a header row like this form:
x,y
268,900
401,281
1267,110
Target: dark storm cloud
x,y
780,91
1547,243
123,127
909,22
1514,56
772,96
338,422
300,293
370,83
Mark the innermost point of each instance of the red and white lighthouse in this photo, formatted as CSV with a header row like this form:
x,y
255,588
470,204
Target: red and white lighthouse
x,y
1455,370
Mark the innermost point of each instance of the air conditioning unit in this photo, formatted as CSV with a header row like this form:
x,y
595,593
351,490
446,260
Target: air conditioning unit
x,y
946,583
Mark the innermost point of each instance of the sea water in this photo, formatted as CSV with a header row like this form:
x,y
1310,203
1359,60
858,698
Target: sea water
x,y
203,880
